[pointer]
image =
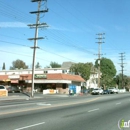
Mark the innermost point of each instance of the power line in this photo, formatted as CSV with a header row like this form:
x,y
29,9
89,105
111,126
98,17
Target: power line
x,y
39,49
23,55
8,10
73,15
69,40
57,54
76,46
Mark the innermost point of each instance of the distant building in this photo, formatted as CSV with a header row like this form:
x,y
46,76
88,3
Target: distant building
x,y
92,82
67,64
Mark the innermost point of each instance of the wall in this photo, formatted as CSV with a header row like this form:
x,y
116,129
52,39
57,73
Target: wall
x,y
37,71
60,89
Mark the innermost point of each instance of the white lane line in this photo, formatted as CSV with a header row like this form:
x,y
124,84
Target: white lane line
x,y
118,103
94,110
29,126
42,104
22,104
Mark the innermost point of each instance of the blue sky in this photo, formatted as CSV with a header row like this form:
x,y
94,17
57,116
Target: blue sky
x,y
71,35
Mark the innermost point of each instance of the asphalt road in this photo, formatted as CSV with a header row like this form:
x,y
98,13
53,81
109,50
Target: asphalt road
x,y
72,113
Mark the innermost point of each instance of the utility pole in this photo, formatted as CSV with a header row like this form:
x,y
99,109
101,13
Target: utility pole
x,y
122,69
36,38
100,38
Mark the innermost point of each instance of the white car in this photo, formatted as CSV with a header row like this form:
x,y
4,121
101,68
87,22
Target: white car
x,y
97,91
113,90
2,87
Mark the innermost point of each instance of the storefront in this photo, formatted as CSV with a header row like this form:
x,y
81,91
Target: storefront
x,y
59,82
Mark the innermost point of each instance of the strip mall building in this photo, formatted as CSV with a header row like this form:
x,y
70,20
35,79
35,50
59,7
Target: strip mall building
x,y
44,79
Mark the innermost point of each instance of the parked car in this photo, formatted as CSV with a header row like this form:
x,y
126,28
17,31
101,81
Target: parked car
x,y
2,87
97,91
113,90
106,91
86,91
13,89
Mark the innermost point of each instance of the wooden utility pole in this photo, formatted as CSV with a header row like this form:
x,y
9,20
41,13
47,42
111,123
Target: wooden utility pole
x,y
100,38
36,38
122,69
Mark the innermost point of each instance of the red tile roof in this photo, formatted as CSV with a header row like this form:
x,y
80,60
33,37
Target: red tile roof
x,y
58,76
65,77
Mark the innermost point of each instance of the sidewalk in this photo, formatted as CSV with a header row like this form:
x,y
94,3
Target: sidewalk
x,y
9,98
27,96
19,96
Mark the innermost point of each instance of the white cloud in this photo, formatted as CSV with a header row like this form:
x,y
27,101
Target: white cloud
x,y
13,25
64,28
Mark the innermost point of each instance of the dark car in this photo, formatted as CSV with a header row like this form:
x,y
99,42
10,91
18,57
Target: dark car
x,y
13,89
106,91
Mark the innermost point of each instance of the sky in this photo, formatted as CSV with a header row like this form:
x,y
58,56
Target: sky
x,y
72,32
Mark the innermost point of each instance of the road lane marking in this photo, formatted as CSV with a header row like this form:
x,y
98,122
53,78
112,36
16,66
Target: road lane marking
x,y
42,104
118,103
60,105
30,126
94,110
23,104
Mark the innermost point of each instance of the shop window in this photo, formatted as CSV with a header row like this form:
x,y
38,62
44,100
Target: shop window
x,y
45,72
64,86
64,71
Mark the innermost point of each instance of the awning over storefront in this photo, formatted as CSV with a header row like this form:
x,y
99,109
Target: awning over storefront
x,y
6,80
49,81
42,78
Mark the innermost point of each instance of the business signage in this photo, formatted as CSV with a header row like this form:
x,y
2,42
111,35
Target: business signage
x,y
51,91
40,76
13,76
14,81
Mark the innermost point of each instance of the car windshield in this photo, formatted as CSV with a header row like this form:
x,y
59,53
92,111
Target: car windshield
x,y
95,89
112,88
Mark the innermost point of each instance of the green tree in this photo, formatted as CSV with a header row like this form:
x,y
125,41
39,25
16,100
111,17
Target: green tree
x,y
82,69
108,71
3,68
18,64
38,66
126,81
55,65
